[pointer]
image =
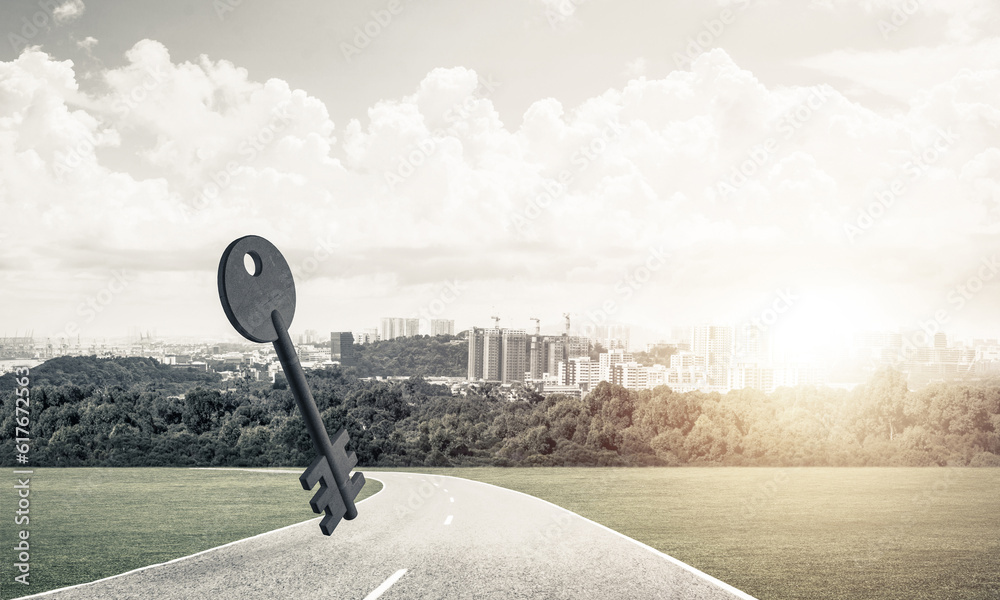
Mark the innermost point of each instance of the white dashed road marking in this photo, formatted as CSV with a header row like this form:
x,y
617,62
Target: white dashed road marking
x,y
385,585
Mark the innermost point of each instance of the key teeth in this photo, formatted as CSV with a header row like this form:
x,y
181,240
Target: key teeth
x,y
357,482
328,498
352,461
339,440
328,524
318,469
324,497
344,461
335,511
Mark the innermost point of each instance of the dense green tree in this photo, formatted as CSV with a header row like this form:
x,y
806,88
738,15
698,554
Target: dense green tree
x,y
130,412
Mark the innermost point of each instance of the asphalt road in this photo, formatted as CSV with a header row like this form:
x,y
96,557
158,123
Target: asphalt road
x,y
424,536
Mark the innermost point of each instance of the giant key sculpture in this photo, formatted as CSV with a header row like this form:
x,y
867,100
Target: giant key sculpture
x,y
260,305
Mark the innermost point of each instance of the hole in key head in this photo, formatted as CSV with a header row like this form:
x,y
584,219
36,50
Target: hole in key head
x,y
251,262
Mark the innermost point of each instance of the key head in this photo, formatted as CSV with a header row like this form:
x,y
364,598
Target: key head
x,y
248,298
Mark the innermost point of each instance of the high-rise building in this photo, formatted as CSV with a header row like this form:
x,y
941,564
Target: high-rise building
x,y
391,328
342,347
366,336
751,344
608,360
681,336
411,327
545,352
613,337
395,327
442,327
476,357
630,374
940,340
656,375
485,354
752,376
492,354
514,355
537,358
715,343
498,354
687,360
580,371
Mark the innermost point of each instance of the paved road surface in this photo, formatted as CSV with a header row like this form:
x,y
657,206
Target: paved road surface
x,y
426,537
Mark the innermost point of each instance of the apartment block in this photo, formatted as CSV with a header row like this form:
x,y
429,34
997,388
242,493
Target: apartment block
x,y
608,360
442,327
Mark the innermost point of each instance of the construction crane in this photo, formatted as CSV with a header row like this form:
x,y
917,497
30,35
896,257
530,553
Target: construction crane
x,y
565,344
538,324
496,322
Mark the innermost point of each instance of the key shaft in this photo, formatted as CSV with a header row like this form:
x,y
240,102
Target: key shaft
x,y
307,408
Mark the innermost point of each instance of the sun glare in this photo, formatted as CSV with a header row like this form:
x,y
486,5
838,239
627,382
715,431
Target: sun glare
x,y
819,326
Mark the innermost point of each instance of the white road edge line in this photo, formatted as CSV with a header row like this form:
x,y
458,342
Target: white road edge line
x,y
712,580
448,520
385,585
180,558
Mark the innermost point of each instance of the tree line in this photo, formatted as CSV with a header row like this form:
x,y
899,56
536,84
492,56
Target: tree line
x,y
421,356
128,412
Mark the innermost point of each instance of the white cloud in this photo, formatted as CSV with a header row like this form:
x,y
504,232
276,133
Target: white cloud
x,y
636,68
87,43
68,11
175,160
903,74
967,20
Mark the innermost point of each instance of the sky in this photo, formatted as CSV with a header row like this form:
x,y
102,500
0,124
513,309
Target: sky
x,y
821,167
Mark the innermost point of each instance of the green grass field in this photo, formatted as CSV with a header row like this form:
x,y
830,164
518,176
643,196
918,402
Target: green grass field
x,y
90,523
776,533
790,534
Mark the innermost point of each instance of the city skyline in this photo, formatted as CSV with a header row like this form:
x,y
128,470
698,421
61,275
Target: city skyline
x,y
920,334
707,357
682,173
